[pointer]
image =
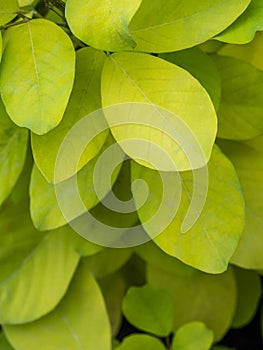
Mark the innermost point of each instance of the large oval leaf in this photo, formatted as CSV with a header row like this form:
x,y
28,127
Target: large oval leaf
x,y
102,24
244,28
169,25
186,111
192,336
247,159
84,99
13,147
149,309
79,322
198,297
213,238
241,109
31,66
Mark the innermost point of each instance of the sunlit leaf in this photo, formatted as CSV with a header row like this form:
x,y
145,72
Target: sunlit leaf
x,y
198,297
37,54
149,309
244,28
102,24
84,99
192,336
8,10
241,109
168,25
79,322
213,238
248,296
185,110
141,341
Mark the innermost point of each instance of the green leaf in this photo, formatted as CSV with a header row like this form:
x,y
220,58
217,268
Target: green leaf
x,y
247,159
214,235
107,261
240,112
42,54
192,336
44,207
113,289
141,341
102,24
4,345
24,3
202,67
198,297
85,98
13,148
168,25
248,296
244,28
79,322
149,309
8,11
168,99
251,52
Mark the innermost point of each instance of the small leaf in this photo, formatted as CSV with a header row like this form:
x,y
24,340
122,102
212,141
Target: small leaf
x,y
214,235
198,297
248,293
240,112
149,309
155,107
202,67
247,159
141,341
13,148
42,54
8,11
102,24
79,322
192,336
4,345
244,28
85,98
169,25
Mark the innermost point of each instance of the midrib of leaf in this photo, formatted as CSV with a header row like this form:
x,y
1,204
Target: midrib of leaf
x,y
71,330
180,19
36,73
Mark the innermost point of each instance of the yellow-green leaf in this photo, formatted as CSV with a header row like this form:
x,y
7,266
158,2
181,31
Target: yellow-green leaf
x,y
8,11
102,24
37,74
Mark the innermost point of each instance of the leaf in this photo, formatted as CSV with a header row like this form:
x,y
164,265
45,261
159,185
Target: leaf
x,y
168,25
13,148
202,67
102,24
8,11
247,159
107,261
212,238
141,341
250,52
249,293
156,110
85,98
113,289
244,28
79,322
192,336
198,297
240,112
48,213
37,50
4,345
149,309
24,3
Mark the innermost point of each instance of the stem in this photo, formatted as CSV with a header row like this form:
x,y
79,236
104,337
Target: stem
x,y
6,26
